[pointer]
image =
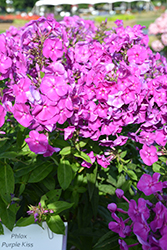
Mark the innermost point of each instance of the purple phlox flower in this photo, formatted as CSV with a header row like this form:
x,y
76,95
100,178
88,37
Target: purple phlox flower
x,y
141,228
20,90
123,245
82,53
119,193
149,154
2,115
38,143
5,63
117,227
158,221
58,69
149,185
50,151
146,138
121,140
29,212
154,243
33,95
54,87
163,241
119,23
68,132
112,207
137,54
22,114
160,97
53,48
92,157
115,100
36,216
102,161
45,111
135,211
161,137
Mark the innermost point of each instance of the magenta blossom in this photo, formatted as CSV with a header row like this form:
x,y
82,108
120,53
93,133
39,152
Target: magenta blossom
x,y
38,143
149,185
149,154
2,115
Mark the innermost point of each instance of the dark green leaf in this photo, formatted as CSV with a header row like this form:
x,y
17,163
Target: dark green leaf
x,y
95,200
7,216
49,182
64,173
106,241
6,182
56,225
9,155
81,189
91,178
53,195
40,173
1,229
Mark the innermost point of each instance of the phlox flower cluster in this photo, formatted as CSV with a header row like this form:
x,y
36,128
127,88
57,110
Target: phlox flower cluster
x,y
40,213
73,77
159,28
146,220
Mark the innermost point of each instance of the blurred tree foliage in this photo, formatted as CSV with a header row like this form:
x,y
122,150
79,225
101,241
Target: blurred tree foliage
x,y
23,4
2,5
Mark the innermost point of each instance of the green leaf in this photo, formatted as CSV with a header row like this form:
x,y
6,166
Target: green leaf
x,y
42,74
21,169
157,168
123,154
1,229
22,188
107,189
132,175
83,156
163,158
51,196
54,195
59,206
40,173
9,155
81,189
55,224
91,178
23,222
106,241
7,216
20,138
42,200
65,151
6,182
83,143
121,180
49,182
64,173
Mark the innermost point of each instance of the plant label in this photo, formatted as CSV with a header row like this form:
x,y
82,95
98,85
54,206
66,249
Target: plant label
x,y
33,237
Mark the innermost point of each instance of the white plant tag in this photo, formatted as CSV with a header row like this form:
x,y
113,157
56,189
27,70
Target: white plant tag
x,y
33,237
